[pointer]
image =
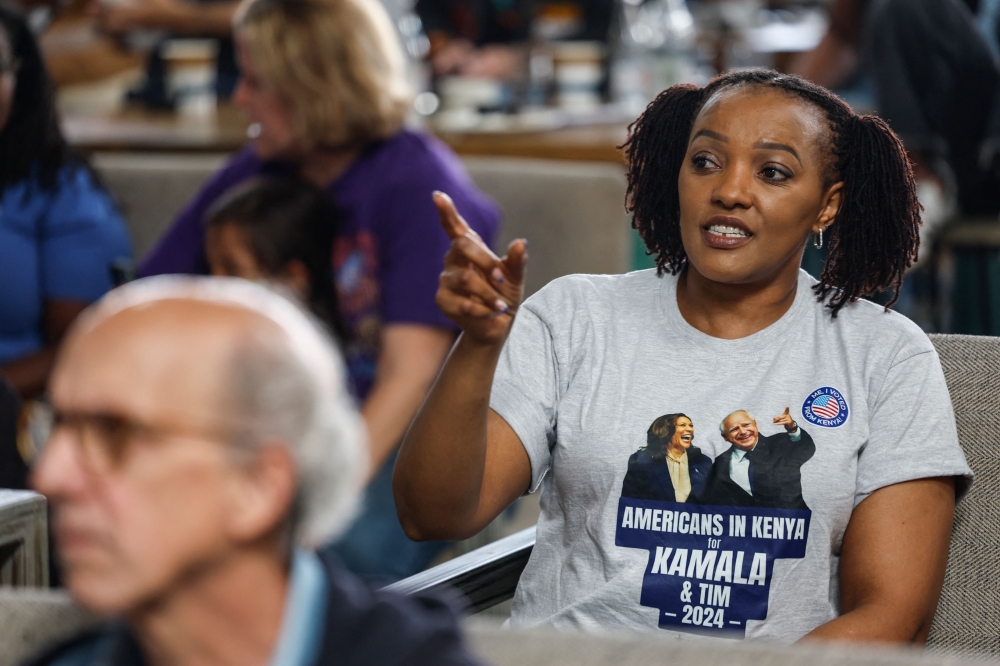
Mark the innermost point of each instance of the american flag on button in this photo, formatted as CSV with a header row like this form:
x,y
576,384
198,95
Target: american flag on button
x,y
825,407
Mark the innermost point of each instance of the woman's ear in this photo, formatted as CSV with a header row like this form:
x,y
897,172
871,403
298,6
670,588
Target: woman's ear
x,y
832,199
295,277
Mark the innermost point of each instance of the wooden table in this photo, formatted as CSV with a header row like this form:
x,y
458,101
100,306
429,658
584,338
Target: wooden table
x,y
594,143
136,130
144,131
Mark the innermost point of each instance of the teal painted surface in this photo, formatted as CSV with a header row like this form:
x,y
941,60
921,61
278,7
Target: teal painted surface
x,y
640,260
975,296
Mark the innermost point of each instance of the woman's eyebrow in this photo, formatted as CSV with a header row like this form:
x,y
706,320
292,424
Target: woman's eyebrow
x,y
711,135
771,145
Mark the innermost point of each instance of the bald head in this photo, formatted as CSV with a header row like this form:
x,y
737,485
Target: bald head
x,y
158,385
175,357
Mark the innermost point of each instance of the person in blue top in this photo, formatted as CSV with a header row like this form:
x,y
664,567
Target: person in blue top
x,y
60,232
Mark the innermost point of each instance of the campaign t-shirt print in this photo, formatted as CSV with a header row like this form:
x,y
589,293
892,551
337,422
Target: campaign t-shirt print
x,y
714,528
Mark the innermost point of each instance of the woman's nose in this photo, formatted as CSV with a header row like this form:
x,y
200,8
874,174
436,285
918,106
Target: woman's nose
x,y
732,189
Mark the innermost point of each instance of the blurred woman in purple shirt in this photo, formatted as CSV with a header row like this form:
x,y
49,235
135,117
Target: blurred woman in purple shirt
x,y
324,90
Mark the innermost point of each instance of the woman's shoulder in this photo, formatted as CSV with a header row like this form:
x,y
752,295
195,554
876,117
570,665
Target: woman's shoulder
x,y
596,295
411,156
640,457
697,457
80,197
865,325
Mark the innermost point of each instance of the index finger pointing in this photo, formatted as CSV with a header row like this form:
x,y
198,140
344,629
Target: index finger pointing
x,y
452,222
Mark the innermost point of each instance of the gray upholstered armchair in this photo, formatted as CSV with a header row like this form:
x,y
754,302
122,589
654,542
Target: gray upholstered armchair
x,y
968,614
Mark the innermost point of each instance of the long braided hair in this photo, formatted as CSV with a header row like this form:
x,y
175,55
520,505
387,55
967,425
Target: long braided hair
x,y
31,142
876,235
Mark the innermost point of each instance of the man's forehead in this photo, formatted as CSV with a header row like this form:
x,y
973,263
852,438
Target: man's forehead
x,y
737,418
162,358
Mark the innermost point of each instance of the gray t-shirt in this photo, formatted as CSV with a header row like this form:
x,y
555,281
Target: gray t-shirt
x,y
592,379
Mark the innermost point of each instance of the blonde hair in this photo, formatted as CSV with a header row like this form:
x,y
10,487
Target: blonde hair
x,y
337,63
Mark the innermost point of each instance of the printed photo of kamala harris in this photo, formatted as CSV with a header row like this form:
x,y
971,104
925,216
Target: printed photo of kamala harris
x,y
756,470
668,469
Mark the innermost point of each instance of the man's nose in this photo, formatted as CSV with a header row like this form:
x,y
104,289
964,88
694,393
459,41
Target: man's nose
x,y
59,472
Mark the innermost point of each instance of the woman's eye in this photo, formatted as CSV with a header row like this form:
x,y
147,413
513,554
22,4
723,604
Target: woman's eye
x,y
702,162
775,174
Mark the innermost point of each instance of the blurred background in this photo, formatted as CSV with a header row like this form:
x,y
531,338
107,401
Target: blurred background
x,y
147,96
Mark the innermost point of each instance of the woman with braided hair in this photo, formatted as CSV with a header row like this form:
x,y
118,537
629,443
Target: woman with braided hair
x,y
727,184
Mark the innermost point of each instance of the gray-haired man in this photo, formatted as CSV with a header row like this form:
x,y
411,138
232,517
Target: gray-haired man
x,y
203,433
756,470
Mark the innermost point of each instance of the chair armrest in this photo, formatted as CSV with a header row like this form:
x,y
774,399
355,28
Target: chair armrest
x,y
486,577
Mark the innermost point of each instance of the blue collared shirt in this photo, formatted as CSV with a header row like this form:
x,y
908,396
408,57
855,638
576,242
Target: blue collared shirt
x,y
305,610
301,625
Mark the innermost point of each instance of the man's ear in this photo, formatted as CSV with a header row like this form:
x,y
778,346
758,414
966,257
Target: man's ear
x,y
263,492
832,200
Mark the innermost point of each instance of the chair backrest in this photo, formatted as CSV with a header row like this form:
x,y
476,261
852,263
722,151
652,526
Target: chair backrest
x,y
572,214
32,619
968,614
24,539
151,188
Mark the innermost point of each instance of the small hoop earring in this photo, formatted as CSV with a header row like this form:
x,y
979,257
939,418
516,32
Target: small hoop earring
x,y
818,241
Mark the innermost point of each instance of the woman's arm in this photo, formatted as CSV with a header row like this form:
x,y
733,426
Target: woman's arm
x,y
892,563
29,375
409,358
460,464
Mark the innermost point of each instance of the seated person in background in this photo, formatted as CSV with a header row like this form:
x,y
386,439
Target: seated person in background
x,y
279,231
936,84
60,232
176,18
726,183
204,441
489,38
339,125
668,468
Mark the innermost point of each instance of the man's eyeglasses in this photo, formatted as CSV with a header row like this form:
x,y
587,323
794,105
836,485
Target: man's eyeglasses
x,y
105,439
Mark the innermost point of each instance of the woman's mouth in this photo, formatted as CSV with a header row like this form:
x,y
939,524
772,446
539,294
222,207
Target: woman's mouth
x,y
725,232
728,232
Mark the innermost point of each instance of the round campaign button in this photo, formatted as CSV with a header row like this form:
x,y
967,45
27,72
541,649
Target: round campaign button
x,y
825,407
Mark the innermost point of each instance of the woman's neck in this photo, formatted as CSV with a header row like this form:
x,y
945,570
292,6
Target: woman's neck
x,y
322,166
675,452
733,311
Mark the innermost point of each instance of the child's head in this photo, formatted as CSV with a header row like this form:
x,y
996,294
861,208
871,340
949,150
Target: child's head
x,y
281,231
